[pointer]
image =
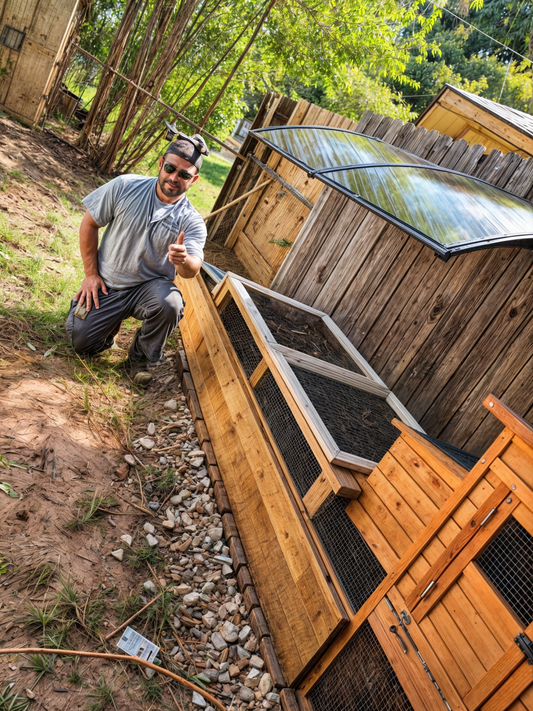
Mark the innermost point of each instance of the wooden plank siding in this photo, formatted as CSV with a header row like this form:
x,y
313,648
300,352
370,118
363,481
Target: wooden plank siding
x,y
440,334
47,25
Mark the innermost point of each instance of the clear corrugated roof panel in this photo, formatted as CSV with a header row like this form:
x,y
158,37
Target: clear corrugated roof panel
x,y
449,211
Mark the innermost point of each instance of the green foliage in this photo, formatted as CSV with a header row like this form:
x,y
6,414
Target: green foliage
x,y
10,701
102,696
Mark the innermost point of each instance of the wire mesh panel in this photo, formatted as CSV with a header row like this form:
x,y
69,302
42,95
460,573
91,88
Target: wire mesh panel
x,y
208,280
248,181
302,331
358,421
241,337
360,679
299,458
357,568
508,564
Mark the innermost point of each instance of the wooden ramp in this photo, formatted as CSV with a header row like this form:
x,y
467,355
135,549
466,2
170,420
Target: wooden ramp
x,y
402,583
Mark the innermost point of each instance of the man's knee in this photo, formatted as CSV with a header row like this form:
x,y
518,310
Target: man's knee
x,y
166,302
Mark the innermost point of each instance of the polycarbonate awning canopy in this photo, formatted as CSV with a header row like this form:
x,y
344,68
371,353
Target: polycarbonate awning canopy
x,y
449,211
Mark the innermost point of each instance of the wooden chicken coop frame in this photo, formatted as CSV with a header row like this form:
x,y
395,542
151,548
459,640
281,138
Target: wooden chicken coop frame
x,y
280,360
420,545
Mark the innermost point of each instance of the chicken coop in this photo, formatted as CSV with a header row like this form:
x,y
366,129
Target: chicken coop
x,y
382,494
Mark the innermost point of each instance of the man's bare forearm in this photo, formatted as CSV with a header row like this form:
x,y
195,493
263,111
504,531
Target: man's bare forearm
x,y
89,247
190,267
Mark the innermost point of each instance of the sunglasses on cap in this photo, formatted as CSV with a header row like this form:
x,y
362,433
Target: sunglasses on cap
x,y
169,168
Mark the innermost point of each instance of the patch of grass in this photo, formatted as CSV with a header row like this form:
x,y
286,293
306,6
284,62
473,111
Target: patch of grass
x,y
166,483
91,509
39,618
128,606
40,576
102,696
144,557
41,664
10,701
151,689
75,678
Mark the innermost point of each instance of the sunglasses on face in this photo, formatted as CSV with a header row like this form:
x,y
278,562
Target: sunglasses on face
x,y
168,168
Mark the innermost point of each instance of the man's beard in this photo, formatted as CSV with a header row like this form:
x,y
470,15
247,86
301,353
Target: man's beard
x,y
170,191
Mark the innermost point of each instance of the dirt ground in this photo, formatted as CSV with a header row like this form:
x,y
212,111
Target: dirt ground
x,y
66,426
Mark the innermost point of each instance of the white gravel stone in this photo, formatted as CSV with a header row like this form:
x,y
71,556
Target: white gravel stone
x,y
191,598
185,494
218,641
246,694
183,589
265,684
149,585
168,524
151,429
127,539
152,540
186,519
196,463
273,697
208,587
175,500
230,632
226,570
198,700
197,453
256,662
129,459
171,405
252,680
206,482
148,528
118,554
245,633
147,443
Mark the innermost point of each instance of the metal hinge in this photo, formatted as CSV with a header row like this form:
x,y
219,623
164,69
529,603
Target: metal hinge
x,y
525,645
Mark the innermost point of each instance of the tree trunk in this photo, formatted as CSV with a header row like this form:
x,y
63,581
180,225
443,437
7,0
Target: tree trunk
x,y
116,53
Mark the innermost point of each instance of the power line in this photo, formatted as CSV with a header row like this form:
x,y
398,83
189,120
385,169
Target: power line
x,y
457,17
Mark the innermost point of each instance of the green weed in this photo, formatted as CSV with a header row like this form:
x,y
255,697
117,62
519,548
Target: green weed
x,y
10,701
91,509
102,696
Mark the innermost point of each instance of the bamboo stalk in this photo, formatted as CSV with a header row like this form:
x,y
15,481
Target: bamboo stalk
x,y
234,202
162,103
120,658
125,624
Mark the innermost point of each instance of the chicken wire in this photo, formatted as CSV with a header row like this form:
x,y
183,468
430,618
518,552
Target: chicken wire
x,y
240,337
358,421
360,679
356,566
301,463
302,331
508,564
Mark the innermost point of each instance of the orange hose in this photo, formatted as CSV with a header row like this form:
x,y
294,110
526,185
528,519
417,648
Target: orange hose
x,y
123,658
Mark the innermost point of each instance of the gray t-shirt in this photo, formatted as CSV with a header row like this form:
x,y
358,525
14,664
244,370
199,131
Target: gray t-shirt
x,y
134,246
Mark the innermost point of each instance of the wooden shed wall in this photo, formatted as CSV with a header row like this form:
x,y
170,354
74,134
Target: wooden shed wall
x,y
261,229
453,114
440,334
47,24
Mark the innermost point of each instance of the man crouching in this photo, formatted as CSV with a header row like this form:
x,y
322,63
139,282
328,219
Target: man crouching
x,y
152,232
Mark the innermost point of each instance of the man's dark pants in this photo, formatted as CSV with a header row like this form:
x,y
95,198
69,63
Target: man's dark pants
x,y
157,303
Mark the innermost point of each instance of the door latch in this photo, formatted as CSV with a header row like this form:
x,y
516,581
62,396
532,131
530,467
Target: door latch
x,y
525,645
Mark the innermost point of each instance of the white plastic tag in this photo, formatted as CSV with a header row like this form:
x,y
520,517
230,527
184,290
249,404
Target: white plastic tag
x,y
136,645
